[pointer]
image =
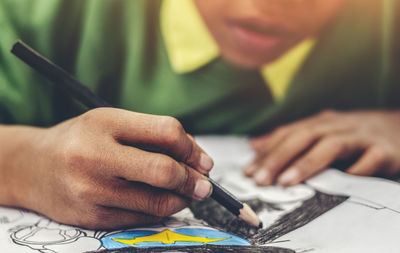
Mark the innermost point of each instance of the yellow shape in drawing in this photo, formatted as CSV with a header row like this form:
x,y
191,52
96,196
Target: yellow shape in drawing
x,y
168,237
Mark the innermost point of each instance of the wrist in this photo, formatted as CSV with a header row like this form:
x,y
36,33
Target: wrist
x,y
17,156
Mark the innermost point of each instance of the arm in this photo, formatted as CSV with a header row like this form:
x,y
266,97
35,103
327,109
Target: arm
x,y
92,170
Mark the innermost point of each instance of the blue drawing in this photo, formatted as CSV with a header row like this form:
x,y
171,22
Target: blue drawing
x,y
168,238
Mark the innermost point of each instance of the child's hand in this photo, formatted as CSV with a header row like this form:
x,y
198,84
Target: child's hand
x,y
295,152
96,170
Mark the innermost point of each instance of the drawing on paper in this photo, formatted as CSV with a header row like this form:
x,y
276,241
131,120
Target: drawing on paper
x,y
167,237
207,227
280,218
48,236
10,215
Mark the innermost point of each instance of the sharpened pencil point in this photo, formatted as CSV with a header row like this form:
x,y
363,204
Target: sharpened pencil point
x,y
260,226
249,216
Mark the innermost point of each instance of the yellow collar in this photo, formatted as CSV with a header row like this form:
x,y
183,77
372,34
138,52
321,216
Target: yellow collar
x,y
190,46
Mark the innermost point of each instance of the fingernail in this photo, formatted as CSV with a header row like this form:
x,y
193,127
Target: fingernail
x,y
289,177
202,190
250,169
206,163
262,177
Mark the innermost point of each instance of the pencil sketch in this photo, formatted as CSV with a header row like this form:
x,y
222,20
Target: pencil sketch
x,y
10,215
281,218
310,217
206,226
205,248
47,236
189,226
181,230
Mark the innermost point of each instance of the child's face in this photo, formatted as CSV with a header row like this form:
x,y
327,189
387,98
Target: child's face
x,y
251,33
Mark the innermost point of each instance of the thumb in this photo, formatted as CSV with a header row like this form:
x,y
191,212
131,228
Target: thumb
x,y
192,183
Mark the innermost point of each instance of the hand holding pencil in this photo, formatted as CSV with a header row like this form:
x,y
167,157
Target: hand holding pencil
x,y
111,168
88,171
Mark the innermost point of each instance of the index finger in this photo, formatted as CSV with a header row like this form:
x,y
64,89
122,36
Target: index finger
x,y
268,141
161,134
157,170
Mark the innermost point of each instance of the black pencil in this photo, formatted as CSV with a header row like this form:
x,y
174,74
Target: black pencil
x,y
81,93
235,206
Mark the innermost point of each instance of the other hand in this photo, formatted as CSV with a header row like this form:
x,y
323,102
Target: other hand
x,y
294,152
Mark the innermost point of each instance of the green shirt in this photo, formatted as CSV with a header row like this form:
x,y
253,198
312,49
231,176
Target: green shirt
x,y
115,47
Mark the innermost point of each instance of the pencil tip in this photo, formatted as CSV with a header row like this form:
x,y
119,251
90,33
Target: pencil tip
x,y
249,216
260,226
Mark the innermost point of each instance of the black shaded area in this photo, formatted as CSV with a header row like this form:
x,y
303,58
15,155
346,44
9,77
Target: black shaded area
x,y
218,217
205,248
311,209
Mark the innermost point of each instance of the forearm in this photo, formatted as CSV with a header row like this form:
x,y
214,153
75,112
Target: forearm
x,y
16,150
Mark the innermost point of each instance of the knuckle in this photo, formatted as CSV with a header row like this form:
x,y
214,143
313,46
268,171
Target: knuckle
x,y
306,163
306,133
335,141
82,192
142,202
99,117
188,183
280,130
328,114
380,155
93,115
189,155
77,158
172,130
163,172
270,164
73,158
161,205
172,123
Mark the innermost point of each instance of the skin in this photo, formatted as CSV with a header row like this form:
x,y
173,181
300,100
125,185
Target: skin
x,y
253,33
111,168
295,152
90,171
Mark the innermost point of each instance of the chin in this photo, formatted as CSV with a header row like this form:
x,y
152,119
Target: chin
x,y
249,60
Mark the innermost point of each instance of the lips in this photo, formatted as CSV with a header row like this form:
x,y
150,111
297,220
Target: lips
x,y
255,35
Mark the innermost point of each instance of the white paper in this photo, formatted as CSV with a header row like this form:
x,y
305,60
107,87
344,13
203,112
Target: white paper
x,y
368,221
